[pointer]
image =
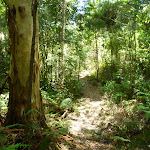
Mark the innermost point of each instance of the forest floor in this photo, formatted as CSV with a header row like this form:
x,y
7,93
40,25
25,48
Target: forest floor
x,y
93,121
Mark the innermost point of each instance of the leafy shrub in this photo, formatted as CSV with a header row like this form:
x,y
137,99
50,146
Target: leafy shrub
x,y
120,138
107,70
4,102
65,103
74,87
141,140
118,97
146,109
117,91
56,104
15,146
5,139
93,79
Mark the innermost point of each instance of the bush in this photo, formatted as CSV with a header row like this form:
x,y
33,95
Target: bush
x,y
73,87
117,91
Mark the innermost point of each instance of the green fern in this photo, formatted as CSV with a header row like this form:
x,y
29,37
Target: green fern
x,y
45,143
33,110
10,126
120,138
15,146
145,108
55,132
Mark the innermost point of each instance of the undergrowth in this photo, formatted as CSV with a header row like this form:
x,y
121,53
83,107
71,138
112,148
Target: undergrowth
x,y
132,97
12,138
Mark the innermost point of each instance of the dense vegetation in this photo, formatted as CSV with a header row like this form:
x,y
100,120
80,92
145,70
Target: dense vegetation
x,y
111,40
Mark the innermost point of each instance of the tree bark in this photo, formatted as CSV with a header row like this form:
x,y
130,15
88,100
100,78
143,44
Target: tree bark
x,y
20,23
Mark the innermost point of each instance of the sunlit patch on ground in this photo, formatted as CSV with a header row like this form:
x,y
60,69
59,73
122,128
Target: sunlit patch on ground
x,y
91,119
84,74
96,119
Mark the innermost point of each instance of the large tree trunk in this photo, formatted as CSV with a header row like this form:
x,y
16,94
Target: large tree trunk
x,y
20,23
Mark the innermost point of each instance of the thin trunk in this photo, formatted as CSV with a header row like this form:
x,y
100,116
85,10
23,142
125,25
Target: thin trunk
x,y
97,59
57,70
79,66
63,41
111,51
134,30
131,63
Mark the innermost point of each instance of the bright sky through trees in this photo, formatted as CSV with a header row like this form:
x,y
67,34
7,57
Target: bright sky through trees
x,y
81,4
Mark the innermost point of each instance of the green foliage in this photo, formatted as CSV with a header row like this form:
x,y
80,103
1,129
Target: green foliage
x,y
15,146
143,97
11,126
45,143
131,125
118,91
106,72
4,102
33,111
4,139
74,87
52,135
65,103
141,140
120,138
55,133
4,44
4,60
118,97
146,109
57,103
93,79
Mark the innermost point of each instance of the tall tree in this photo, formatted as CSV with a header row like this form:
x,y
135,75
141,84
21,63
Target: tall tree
x,y
24,66
95,23
61,57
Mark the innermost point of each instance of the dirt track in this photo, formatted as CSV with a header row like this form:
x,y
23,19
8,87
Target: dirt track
x,y
92,121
